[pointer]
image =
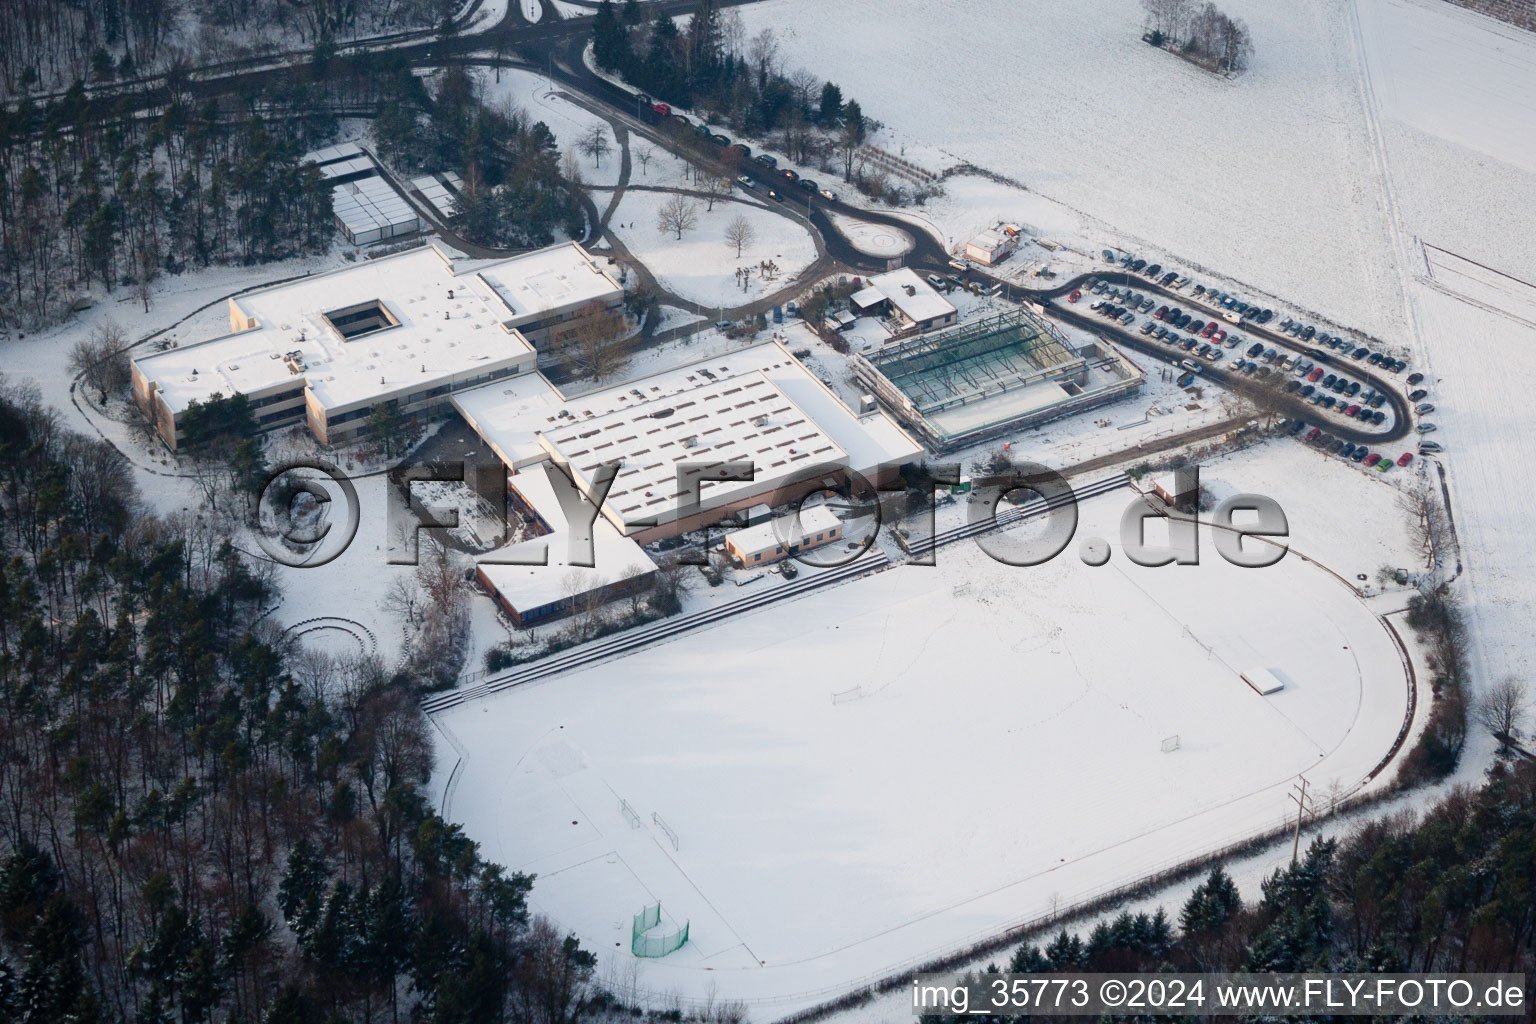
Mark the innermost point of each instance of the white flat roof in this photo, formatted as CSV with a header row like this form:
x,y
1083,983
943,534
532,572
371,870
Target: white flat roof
x,y
531,586
331,154
437,338
370,203
813,520
550,279
745,418
922,304
512,415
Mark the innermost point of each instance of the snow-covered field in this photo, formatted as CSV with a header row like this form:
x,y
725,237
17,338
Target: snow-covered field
x,y
1004,757
1453,96
1264,178
701,267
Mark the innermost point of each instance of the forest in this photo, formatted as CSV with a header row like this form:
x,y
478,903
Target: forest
x,y
712,66
46,45
118,201
1448,890
196,822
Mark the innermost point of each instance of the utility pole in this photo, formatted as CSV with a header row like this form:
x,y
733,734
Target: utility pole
x,y
1300,800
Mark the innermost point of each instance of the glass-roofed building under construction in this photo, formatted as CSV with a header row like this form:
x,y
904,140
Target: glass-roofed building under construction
x,y
969,383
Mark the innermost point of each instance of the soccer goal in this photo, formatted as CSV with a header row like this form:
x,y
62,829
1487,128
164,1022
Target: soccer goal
x,y
645,940
629,813
666,829
845,696
1171,744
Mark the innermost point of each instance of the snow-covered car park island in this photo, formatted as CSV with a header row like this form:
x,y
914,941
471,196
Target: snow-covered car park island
x,y
716,510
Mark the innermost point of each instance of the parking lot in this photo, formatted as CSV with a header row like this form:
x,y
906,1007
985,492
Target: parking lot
x,y
1352,395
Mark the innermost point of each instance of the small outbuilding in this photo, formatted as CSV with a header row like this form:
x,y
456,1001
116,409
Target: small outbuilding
x,y
1178,491
784,537
995,244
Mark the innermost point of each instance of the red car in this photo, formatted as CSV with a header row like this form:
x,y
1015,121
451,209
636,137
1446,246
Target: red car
x,y
1162,313
1074,296
1219,337
1352,411
1372,459
1314,434
1210,329
1405,458
1315,375
662,108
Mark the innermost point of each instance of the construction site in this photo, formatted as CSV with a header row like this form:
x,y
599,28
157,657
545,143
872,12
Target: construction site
x,y
963,385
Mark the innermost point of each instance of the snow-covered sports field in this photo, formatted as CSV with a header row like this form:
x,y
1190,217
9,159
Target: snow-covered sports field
x,y
1005,757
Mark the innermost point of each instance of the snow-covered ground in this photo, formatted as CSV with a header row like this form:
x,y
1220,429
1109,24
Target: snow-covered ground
x,y
1265,177
701,267
820,843
569,121
1451,96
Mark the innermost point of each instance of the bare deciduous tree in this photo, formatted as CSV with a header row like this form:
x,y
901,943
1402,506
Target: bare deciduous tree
x,y
101,359
585,601
763,53
1502,708
594,143
570,168
713,186
739,232
644,153
677,214
599,342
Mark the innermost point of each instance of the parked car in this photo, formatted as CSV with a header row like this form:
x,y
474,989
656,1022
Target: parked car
x,y
1405,458
1074,296
1414,379
829,195
1154,270
808,184
745,182
1426,428
1425,409
661,108
766,160
1373,458
1429,447
1414,396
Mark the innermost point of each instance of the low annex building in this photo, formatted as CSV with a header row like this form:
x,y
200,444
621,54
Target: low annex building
x,y
407,329
995,244
555,587
910,301
784,537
